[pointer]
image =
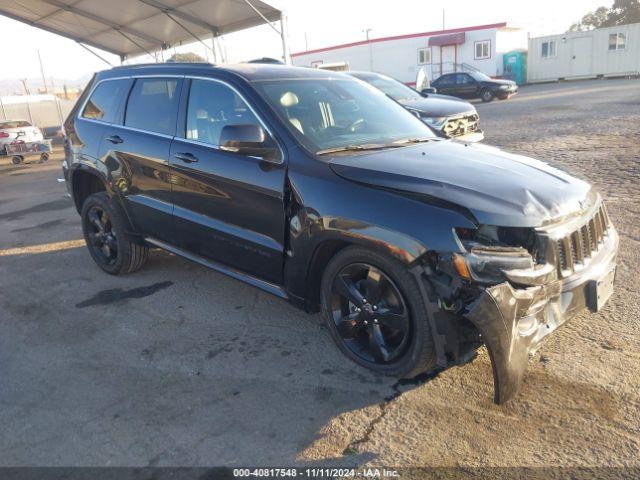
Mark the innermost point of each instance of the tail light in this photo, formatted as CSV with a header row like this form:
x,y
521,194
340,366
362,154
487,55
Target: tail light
x,y
4,135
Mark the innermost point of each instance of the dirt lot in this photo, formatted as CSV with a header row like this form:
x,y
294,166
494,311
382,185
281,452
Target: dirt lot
x,y
178,365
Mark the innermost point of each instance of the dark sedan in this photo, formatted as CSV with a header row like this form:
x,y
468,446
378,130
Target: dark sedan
x,y
475,85
448,117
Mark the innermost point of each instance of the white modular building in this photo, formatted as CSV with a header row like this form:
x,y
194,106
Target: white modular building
x,y
612,51
479,47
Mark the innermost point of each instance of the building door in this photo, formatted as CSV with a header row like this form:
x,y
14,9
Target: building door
x,y
448,58
581,56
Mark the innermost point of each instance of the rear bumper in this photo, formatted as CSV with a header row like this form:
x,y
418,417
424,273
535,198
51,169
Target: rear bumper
x,y
513,321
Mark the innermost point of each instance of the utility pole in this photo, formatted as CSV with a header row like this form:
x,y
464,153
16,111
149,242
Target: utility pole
x,y
366,32
306,42
26,90
44,80
443,19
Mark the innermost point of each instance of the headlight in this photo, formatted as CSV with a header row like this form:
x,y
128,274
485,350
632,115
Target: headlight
x,y
488,264
491,253
435,122
505,87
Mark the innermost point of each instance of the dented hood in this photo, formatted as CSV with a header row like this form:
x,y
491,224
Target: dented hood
x,y
497,187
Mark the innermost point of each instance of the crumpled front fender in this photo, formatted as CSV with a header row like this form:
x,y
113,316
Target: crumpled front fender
x,y
506,320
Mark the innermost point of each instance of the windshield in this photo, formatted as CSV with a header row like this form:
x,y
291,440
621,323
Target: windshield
x,y
480,76
328,114
395,89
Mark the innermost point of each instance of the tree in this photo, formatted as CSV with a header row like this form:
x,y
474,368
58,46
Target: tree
x,y
622,12
188,57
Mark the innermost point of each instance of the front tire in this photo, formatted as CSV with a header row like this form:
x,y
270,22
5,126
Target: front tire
x,y
486,95
375,313
105,232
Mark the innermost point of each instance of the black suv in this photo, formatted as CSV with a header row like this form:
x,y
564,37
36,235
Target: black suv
x,y
319,189
475,85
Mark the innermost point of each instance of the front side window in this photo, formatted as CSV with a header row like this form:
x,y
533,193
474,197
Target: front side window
x,y
445,81
153,105
330,113
617,41
424,56
395,89
463,79
212,106
548,49
482,49
104,101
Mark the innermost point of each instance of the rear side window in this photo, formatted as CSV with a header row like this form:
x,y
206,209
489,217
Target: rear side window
x,y
104,101
153,105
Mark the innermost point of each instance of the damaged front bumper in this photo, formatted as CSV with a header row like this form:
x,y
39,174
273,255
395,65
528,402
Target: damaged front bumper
x,y
513,321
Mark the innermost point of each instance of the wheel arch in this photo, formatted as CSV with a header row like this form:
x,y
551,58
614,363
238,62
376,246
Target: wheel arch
x,y
85,182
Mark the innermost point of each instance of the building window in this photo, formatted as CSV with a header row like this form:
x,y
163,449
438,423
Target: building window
x,y
617,41
482,49
549,49
424,56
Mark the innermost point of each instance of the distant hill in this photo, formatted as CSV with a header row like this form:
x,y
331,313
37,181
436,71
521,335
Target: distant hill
x,y
13,86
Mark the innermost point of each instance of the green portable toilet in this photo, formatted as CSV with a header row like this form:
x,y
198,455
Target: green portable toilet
x,y
515,66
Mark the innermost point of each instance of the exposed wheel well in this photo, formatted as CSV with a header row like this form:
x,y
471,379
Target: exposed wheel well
x,y
320,259
85,184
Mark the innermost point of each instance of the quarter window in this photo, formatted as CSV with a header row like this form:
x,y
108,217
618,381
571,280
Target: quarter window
x,y
212,106
548,49
424,55
617,41
153,105
482,49
104,101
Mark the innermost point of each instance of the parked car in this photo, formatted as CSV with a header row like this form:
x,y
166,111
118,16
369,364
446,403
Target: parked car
x,y
12,131
448,117
321,190
475,85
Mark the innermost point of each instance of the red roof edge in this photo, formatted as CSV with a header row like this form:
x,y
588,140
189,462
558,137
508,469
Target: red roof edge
x,y
402,37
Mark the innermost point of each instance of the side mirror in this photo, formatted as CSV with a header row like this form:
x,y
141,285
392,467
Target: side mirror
x,y
247,139
428,90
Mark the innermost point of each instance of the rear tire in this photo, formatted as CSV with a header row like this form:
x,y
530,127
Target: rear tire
x,y
16,160
408,350
44,157
105,232
486,95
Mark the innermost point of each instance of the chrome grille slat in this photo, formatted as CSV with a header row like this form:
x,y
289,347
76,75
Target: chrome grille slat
x,y
577,247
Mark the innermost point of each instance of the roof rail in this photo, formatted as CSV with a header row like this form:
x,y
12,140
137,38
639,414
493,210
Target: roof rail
x,y
165,64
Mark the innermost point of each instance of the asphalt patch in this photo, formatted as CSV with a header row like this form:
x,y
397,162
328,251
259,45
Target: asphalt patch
x,y
60,204
40,226
114,295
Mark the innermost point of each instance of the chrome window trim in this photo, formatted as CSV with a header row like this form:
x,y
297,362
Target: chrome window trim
x,y
182,136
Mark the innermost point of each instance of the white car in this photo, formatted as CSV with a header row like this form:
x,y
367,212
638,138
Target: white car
x,y
18,131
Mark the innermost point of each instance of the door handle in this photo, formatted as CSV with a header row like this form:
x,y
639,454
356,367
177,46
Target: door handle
x,y
115,139
186,157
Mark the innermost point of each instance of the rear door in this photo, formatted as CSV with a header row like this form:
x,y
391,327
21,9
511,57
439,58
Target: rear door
x,y
227,207
445,84
136,151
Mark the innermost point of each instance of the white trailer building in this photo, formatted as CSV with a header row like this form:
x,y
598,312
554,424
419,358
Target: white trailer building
x,y
479,47
612,51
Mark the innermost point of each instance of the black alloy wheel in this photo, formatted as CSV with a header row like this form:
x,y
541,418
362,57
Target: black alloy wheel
x,y
370,314
101,236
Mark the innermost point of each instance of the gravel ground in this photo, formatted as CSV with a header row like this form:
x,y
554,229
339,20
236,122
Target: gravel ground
x,y
178,365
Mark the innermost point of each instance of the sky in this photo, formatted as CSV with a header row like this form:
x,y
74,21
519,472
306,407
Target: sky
x,y
311,23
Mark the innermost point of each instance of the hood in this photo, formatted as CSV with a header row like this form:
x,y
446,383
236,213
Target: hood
x,y
500,81
498,188
438,105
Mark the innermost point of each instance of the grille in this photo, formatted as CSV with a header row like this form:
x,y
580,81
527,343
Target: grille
x,y
461,125
577,248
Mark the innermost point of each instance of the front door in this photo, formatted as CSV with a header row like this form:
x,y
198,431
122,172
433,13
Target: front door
x,y
227,207
581,51
137,154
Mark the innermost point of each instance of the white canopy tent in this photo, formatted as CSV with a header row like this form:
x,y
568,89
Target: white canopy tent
x,y
129,28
